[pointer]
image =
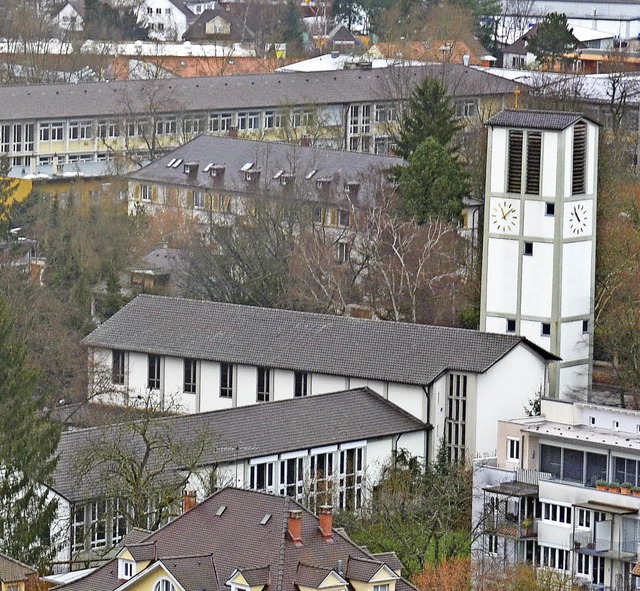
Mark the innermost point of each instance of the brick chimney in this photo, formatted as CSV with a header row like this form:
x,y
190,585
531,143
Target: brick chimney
x,y
325,517
189,500
305,141
295,526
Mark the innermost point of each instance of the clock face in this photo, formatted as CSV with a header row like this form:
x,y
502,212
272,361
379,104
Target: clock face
x,y
579,218
504,216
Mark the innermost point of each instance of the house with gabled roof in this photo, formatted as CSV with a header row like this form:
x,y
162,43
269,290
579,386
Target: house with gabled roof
x,y
317,449
212,355
16,576
245,540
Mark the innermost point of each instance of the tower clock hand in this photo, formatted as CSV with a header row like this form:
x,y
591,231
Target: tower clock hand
x,y
575,211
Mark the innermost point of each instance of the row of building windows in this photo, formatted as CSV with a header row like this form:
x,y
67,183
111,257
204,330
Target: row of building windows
x,y
327,215
333,477
20,137
264,377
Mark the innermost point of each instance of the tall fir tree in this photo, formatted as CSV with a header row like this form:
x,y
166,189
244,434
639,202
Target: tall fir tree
x,y
553,40
28,441
429,113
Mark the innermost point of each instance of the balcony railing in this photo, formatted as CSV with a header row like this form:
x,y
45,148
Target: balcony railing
x,y
511,528
588,543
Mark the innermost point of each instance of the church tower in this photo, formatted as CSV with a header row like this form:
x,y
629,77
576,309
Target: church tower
x,y
539,238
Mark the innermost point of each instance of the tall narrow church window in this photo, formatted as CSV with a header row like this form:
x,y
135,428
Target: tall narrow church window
x,y
514,182
456,429
579,158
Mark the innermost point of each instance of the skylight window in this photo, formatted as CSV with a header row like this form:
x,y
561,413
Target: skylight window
x,y
171,162
177,163
247,166
265,519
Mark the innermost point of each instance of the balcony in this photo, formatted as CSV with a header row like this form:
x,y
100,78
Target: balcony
x,y
511,527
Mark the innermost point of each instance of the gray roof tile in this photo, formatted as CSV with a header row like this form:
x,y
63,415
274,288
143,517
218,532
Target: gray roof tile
x,y
270,158
532,119
390,559
194,573
12,570
236,539
242,433
302,341
362,569
217,93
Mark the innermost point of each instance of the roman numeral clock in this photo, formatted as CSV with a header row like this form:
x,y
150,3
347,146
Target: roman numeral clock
x,y
539,238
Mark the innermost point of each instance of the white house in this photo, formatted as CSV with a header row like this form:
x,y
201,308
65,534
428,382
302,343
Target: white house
x,y
317,450
166,20
211,355
538,274
543,499
70,16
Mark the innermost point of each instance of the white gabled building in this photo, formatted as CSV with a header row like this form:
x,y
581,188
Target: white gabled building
x,y
318,450
211,355
539,500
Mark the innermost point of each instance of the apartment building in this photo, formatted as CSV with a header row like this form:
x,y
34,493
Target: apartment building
x,y
553,496
50,129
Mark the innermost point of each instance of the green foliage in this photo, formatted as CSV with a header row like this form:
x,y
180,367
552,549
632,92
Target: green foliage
x,y
433,184
292,29
27,445
104,21
429,114
7,189
554,38
423,514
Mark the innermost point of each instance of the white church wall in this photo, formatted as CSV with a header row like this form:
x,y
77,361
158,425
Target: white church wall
x,y
502,285
537,281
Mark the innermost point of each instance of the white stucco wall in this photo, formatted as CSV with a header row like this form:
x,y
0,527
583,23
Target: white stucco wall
x,y
498,164
537,281
504,392
409,397
577,278
536,223
502,275
549,184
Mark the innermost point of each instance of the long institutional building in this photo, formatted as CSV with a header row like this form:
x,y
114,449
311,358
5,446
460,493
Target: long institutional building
x,y
105,127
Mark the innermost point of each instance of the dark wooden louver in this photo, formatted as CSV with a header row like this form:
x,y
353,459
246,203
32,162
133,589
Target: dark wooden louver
x,y
579,158
514,180
534,162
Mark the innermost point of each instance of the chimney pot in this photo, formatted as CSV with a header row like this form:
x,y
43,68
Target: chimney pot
x,y
325,517
189,500
295,525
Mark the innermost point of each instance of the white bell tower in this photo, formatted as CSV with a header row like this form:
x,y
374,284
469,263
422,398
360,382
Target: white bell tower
x,y
539,238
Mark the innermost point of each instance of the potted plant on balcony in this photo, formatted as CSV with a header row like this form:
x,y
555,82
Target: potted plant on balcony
x,y
602,485
625,488
635,491
614,487
527,527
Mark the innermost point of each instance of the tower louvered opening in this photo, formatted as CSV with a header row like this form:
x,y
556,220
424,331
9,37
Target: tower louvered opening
x,y
579,158
514,178
534,162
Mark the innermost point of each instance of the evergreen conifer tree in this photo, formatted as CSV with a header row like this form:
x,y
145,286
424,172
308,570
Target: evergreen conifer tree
x,y
429,113
28,441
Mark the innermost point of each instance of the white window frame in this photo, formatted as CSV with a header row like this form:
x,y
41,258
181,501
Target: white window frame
x,y
513,449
